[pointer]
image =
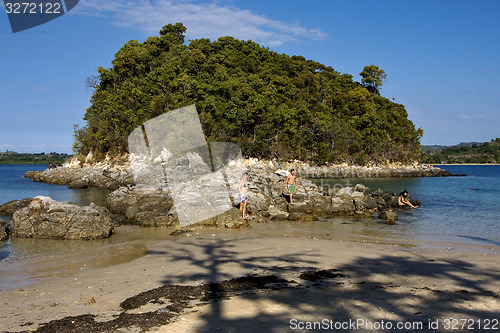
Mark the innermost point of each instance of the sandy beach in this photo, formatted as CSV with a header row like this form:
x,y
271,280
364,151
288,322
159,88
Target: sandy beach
x,y
211,281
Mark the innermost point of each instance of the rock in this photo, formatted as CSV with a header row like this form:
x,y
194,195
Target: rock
x,y
359,205
282,173
389,216
230,219
391,199
78,184
319,205
4,230
9,208
279,217
308,218
360,188
119,200
258,202
381,202
348,191
357,195
143,206
118,219
301,207
340,206
31,174
293,216
47,218
179,232
370,203
154,207
102,175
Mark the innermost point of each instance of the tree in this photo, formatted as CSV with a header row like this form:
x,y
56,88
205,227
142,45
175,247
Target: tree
x,y
272,105
372,78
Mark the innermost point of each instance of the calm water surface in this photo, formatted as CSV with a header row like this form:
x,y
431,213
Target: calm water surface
x,y
451,213
23,261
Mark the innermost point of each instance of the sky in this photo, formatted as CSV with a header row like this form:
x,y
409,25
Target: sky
x,y
441,57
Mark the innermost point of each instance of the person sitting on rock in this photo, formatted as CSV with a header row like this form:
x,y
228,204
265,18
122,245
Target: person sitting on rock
x,y
404,200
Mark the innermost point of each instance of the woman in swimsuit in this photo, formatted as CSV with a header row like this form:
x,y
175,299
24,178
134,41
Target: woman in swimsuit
x,y
243,188
404,200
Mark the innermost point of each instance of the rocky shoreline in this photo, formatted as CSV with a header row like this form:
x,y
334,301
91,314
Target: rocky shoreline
x,y
113,175
79,176
153,206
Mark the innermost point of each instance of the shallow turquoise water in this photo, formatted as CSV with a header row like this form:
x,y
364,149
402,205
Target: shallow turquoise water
x,y
451,213
451,210
13,186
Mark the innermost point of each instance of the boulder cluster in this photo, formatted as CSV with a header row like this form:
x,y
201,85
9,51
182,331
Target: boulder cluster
x,y
158,205
47,218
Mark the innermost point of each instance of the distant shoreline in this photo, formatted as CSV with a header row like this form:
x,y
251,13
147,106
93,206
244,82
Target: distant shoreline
x,y
444,164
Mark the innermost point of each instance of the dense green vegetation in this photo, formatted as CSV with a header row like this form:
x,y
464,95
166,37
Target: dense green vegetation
x,y
488,152
11,157
272,105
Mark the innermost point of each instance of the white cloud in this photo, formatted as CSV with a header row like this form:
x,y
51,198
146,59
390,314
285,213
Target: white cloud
x,y
475,117
202,20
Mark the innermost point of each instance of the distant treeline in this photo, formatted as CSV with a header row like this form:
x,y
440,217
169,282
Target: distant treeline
x,y
10,157
272,105
488,152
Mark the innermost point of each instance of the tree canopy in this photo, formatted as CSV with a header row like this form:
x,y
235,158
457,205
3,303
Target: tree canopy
x,y
272,105
10,157
372,78
486,152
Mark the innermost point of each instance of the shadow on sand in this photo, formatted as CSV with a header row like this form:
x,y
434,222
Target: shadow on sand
x,y
389,288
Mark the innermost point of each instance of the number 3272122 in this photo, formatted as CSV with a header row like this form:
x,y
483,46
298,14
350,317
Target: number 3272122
x,y
33,8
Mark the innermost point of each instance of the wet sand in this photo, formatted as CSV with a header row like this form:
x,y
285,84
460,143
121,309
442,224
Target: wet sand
x,y
352,279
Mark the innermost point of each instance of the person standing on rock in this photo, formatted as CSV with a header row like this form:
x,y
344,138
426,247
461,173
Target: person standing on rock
x,y
243,189
290,184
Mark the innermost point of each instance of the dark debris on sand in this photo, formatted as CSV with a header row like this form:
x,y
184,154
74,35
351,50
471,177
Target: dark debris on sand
x,y
319,275
178,298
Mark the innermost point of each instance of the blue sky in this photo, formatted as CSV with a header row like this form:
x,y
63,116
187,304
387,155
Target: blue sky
x,y
441,57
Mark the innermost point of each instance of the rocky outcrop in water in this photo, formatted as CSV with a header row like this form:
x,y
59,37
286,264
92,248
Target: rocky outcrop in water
x,y
340,171
9,208
113,175
267,200
4,230
47,218
389,215
143,206
154,207
152,204
102,175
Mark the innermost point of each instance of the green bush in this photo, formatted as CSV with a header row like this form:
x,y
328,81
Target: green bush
x,y
272,105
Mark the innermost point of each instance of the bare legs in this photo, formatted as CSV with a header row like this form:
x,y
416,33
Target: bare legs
x,y
243,208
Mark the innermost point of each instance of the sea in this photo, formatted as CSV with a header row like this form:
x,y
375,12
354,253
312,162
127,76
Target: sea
x,y
458,212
